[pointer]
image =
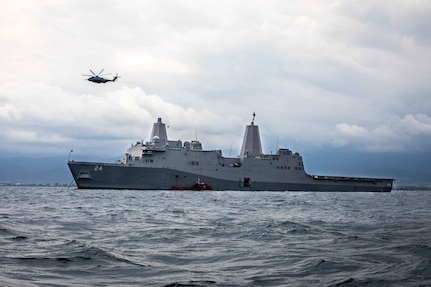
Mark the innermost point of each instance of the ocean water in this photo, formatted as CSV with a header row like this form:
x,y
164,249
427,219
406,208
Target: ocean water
x,y
68,237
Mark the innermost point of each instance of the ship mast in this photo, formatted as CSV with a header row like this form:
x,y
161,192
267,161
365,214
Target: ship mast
x,y
251,146
159,136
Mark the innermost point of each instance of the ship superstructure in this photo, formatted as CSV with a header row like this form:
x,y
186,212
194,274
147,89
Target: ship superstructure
x,y
161,164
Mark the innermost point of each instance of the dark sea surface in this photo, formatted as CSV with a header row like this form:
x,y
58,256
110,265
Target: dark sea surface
x,y
68,237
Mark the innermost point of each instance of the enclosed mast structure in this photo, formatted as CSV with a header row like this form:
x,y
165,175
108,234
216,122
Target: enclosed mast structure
x,y
251,146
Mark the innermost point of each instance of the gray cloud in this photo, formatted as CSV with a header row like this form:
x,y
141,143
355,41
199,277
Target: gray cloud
x,y
344,74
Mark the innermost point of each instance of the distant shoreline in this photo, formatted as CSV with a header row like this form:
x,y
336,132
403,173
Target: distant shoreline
x,y
396,187
37,184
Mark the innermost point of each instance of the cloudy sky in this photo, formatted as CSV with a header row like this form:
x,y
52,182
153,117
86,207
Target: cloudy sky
x,y
349,75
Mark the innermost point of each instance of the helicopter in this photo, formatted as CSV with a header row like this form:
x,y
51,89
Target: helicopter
x,y
99,79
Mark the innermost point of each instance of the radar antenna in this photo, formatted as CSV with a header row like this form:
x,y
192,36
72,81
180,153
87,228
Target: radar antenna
x,y
254,114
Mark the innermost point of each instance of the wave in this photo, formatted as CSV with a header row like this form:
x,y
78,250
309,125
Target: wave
x,y
206,283
75,253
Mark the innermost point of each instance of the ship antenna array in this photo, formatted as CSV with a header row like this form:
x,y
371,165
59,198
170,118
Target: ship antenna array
x,y
254,115
276,145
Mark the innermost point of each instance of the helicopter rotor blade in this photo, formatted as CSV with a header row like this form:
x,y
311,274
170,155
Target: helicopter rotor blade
x,y
87,75
92,72
100,72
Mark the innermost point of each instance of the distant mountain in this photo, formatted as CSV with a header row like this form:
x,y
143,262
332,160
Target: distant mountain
x,y
48,170
405,168
36,171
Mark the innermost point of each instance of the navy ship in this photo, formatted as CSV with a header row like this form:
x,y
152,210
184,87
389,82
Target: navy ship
x,y
163,164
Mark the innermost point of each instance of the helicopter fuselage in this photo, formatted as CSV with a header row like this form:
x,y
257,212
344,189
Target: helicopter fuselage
x,y
100,80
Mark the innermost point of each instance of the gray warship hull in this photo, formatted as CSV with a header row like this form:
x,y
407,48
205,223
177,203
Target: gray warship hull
x,y
162,164
90,175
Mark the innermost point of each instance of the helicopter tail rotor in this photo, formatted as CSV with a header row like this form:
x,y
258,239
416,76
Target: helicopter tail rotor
x,y
116,77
